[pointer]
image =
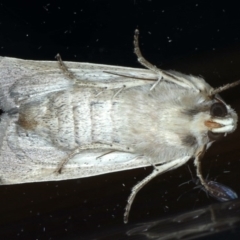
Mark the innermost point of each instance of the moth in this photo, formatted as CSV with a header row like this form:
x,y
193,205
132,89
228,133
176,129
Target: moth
x,y
66,120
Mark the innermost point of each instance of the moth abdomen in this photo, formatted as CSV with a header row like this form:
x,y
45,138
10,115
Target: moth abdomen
x,y
70,119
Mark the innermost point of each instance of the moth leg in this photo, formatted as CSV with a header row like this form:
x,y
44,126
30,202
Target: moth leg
x,y
118,92
156,83
215,189
144,62
78,82
99,93
171,77
105,154
156,171
197,163
64,68
112,147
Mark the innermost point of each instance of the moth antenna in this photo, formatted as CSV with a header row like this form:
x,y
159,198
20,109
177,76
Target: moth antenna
x,y
225,87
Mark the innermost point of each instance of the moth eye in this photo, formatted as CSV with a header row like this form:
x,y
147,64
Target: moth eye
x,y
218,109
215,136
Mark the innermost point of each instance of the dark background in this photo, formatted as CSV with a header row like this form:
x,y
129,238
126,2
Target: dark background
x,y
193,37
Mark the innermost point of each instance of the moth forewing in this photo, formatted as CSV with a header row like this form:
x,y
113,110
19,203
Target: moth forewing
x,y
26,79
66,120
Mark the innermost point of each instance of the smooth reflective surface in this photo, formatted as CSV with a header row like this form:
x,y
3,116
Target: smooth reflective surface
x,y
204,222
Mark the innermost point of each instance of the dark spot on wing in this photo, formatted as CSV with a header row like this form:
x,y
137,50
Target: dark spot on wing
x,y
189,140
194,111
25,122
191,112
95,103
13,111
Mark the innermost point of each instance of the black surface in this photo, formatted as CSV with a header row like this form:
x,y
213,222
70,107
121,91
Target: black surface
x,y
197,37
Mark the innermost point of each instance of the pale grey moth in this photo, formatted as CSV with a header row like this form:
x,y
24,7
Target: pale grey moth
x,y
66,120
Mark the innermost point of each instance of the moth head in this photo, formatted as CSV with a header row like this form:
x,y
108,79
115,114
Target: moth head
x,y
223,119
